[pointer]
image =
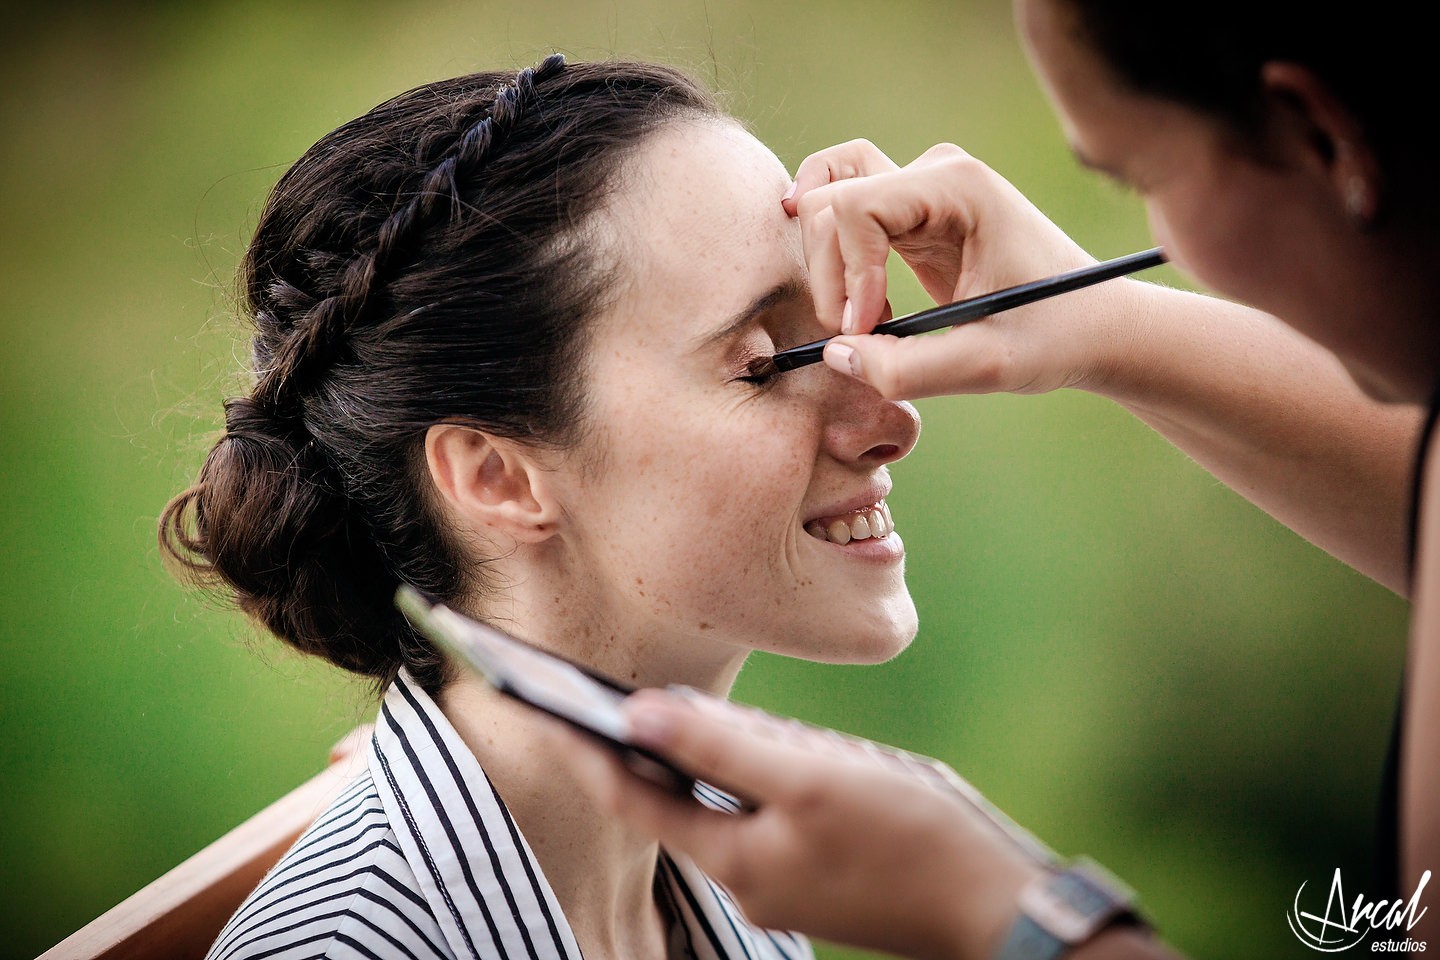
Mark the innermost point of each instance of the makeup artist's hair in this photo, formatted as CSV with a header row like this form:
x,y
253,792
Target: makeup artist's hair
x,y
1209,56
436,259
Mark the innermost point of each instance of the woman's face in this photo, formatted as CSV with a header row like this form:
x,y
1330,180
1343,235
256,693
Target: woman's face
x,y
1266,231
694,503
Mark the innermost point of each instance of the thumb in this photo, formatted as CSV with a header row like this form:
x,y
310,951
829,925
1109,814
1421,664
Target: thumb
x,y
739,749
969,359
679,823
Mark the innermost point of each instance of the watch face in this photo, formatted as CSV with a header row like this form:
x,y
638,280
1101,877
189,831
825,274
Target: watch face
x,y
1050,910
1074,903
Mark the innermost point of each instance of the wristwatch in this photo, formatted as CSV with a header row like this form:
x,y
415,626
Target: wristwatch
x,y
1065,908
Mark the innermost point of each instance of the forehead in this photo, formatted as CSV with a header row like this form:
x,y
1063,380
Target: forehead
x,y
700,226
1068,70
1146,139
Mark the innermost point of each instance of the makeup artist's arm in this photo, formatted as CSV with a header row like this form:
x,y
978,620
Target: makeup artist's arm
x,y
1265,410
927,877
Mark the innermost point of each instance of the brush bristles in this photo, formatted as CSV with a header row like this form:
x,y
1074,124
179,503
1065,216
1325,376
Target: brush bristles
x,y
762,367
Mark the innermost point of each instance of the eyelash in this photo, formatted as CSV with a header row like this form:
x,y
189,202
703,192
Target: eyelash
x,y
760,380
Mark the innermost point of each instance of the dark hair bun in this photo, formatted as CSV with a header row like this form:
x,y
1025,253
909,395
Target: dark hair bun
x,y
267,519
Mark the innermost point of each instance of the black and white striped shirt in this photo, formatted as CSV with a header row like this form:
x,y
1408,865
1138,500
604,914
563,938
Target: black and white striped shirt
x,y
419,858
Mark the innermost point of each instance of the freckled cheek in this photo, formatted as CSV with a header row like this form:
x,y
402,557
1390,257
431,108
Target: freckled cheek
x,y
722,510
755,481
696,495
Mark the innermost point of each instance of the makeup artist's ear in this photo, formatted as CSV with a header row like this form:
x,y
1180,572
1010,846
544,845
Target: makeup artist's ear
x,y
491,483
1331,137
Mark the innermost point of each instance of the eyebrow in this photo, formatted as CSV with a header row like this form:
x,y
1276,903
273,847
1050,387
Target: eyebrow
x,y
782,292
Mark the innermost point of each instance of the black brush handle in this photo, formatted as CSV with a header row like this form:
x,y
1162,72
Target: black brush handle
x,y
964,311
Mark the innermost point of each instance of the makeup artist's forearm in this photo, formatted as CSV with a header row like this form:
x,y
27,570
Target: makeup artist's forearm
x,y
1276,418
1420,761
1117,943
1124,943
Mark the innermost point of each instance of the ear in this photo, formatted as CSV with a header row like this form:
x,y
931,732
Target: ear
x,y
493,483
1337,140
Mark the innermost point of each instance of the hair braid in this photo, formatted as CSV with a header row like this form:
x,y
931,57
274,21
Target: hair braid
x,y
320,332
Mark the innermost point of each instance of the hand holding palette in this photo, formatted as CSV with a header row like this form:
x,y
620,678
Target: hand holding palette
x,y
586,700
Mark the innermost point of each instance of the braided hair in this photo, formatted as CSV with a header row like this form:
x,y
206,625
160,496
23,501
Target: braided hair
x,y
434,260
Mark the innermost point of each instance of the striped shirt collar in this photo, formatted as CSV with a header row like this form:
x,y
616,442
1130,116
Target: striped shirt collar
x,y
479,876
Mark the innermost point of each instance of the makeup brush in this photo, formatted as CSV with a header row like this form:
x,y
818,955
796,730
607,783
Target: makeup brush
x,y
965,311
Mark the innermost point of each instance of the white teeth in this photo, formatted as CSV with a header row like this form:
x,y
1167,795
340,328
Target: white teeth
x,y
865,524
877,524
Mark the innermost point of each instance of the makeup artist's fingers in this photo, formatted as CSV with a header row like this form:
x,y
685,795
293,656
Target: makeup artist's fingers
x,y
923,211
824,259
717,741
677,822
1064,342
810,201
845,161
821,247
752,721
979,357
927,876
848,229
867,216
975,232
962,228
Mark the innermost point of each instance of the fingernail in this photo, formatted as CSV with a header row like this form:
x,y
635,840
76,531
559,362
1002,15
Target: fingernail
x,y
847,318
842,358
647,725
789,193
704,702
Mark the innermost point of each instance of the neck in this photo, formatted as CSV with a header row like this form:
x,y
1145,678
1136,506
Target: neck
x,y
1389,276
602,872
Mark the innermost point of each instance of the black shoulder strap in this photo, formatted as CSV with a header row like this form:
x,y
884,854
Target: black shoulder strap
x,y
1387,859
1417,479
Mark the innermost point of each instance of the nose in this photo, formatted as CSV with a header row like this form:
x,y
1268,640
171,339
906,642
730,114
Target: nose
x,y
1160,230
864,428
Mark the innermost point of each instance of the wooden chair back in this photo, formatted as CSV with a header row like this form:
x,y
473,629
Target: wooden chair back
x,y
181,913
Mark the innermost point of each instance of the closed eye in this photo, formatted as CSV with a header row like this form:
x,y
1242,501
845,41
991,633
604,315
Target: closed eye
x,y
758,379
759,371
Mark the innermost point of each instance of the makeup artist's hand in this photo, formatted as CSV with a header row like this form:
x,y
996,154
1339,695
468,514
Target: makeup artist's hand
x,y
1267,411
965,231
849,842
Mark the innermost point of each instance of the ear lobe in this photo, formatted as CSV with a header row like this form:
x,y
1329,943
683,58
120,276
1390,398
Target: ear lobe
x,y
490,483
1337,140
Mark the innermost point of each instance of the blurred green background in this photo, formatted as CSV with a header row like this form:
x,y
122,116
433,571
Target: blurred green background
x,y
1127,657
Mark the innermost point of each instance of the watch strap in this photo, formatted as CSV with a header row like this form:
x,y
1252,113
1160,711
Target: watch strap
x,y
1064,909
1027,940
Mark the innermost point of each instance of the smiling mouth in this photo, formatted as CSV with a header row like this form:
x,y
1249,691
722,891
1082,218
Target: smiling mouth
x,y
867,523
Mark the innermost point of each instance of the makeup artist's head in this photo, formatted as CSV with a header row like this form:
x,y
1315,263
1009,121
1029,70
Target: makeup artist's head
x,y
1281,153
502,328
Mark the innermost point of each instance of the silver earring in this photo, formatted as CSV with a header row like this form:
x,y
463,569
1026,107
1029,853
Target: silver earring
x,y
1357,199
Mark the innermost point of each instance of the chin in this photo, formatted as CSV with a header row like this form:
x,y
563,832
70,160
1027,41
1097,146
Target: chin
x,y
1382,389
880,652
883,637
